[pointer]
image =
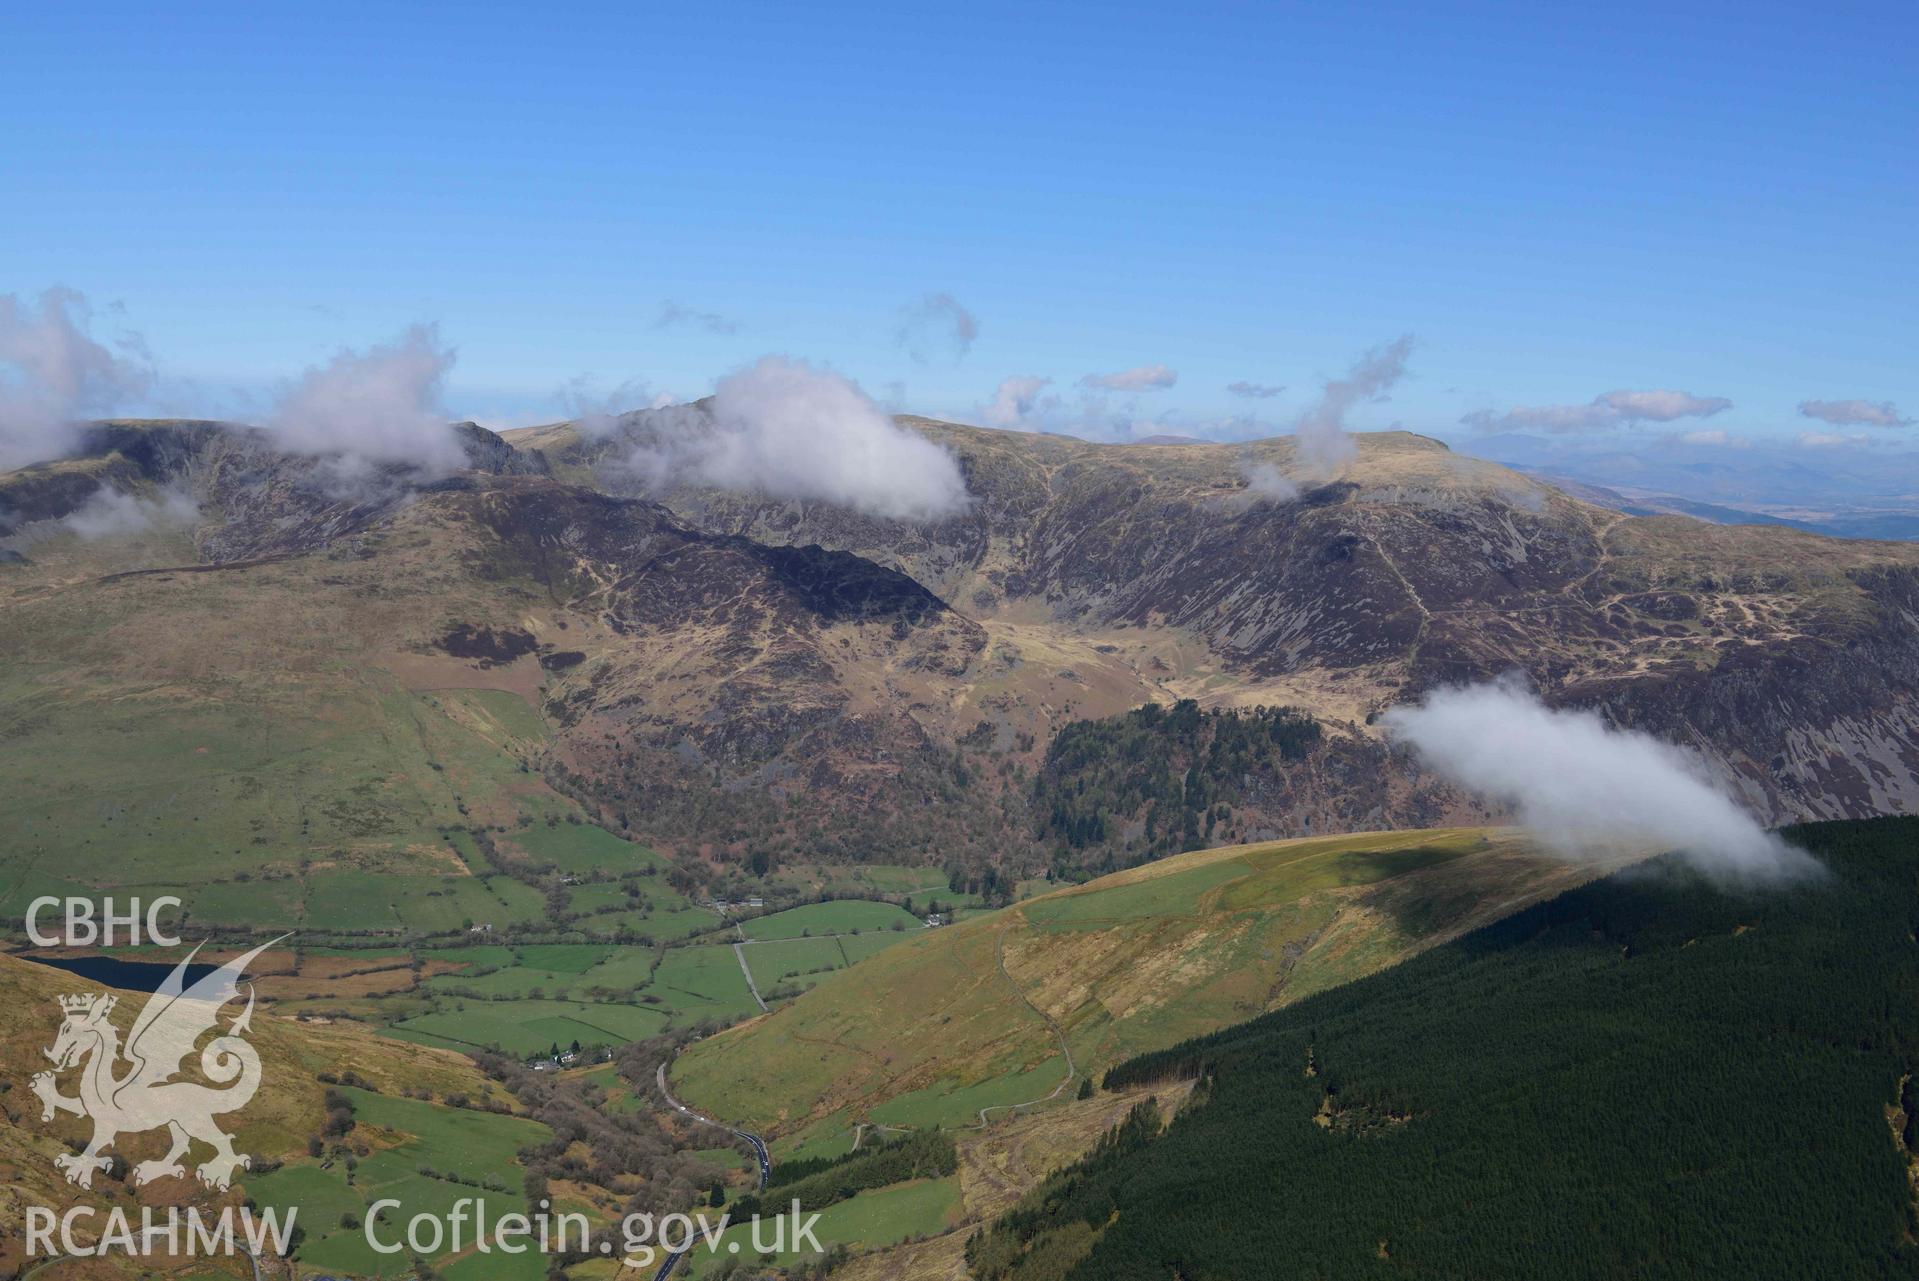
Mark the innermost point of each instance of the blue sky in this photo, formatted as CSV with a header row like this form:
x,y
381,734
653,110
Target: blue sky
x,y
1717,198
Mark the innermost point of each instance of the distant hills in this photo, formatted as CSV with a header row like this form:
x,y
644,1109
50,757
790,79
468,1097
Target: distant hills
x,y
1848,493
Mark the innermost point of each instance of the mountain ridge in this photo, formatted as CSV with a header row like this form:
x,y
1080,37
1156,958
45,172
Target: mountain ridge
x,y
758,670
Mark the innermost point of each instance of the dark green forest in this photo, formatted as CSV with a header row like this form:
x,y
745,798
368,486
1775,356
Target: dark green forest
x,y
1171,773
1649,1076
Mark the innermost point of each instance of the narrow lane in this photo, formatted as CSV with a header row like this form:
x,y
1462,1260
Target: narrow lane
x,y
759,1146
740,952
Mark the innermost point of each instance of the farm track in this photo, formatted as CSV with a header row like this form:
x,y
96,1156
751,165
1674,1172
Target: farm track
x,y
1066,1051
739,954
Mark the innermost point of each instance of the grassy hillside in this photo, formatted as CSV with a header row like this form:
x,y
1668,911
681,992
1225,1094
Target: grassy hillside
x,y
972,1016
1644,1077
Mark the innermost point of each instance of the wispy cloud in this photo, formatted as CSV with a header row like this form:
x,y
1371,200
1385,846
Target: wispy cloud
x,y
1323,447
1265,483
110,512
1714,437
937,326
1854,413
786,429
374,407
1606,410
673,313
1255,391
1139,379
53,372
1828,439
596,413
1015,400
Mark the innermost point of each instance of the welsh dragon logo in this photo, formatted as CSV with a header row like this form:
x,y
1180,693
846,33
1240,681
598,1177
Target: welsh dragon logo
x,y
145,1096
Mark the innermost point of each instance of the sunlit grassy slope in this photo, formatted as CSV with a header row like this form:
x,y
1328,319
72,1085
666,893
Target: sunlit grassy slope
x,y
957,1019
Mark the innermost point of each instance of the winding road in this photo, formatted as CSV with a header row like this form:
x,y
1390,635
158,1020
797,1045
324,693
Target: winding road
x,y
759,1151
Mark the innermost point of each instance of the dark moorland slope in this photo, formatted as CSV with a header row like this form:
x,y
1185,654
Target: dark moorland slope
x,y
1645,1077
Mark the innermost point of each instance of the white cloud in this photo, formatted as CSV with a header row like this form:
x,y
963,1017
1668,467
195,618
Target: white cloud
x,y
1142,378
786,429
1661,406
1715,437
53,372
1855,413
1585,788
1323,449
1607,410
1557,419
937,324
1827,439
596,414
1255,391
1015,399
380,406
110,512
1266,483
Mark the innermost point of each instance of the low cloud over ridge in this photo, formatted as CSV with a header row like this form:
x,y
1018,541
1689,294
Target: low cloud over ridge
x,y
786,429
1584,787
1015,399
53,372
1323,447
109,512
381,406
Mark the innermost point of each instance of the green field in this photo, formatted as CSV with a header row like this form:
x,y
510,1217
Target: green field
x,y
354,900
945,1105
857,947
842,916
531,1027
473,1145
790,962
704,982
662,926
581,848
538,995
799,963
881,1217
563,958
